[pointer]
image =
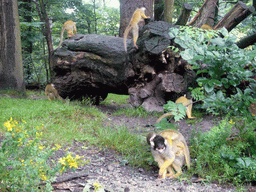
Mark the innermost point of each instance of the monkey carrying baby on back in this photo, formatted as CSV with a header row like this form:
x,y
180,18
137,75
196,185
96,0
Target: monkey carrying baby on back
x,y
170,151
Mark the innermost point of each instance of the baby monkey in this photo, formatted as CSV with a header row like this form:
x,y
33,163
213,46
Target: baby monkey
x,y
170,151
70,27
138,15
52,93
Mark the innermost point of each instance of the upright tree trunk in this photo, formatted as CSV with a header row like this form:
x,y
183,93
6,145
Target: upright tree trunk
x,y
204,14
168,10
11,70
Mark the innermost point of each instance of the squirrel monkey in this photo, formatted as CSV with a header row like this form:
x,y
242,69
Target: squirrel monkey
x,y
170,151
206,27
186,102
52,93
69,26
138,15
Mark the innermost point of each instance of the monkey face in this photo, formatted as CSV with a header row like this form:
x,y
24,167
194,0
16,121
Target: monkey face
x,y
159,144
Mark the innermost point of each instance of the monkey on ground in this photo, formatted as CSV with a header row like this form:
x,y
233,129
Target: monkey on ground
x,y
186,102
169,149
138,15
52,93
70,27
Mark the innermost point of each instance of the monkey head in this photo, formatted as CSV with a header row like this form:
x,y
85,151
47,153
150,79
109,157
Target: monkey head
x,y
157,142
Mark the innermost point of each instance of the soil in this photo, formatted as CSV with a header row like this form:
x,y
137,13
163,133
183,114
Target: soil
x,y
114,174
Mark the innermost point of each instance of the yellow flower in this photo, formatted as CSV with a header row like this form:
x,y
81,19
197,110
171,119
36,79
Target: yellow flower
x,y
19,140
62,161
41,147
97,186
57,147
232,122
43,177
73,164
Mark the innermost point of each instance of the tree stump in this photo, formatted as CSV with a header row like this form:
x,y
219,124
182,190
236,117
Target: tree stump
x,y
95,65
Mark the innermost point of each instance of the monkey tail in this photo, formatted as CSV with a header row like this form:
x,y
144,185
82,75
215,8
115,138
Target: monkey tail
x,y
126,32
61,37
163,116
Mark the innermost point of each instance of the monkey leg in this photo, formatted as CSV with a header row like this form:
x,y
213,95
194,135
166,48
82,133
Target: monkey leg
x,y
189,111
163,168
135,32
160,162
178,170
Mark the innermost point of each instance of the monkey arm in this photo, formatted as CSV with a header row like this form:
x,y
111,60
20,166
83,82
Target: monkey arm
x,y
144,16
165,165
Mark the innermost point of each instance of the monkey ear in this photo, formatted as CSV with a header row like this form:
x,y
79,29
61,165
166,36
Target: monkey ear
x,y
152,144
151,140
165,142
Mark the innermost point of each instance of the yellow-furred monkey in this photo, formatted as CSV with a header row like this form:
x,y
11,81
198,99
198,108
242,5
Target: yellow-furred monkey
x,y
138,15
52,93
70,27
170,150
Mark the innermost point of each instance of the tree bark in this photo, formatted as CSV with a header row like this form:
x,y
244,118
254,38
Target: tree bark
x,y
247,41
204,13
168,10
184,15
95,65
11,69
237,14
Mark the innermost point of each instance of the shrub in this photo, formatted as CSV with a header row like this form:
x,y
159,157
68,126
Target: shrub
x,y
222,69
225,155
25,162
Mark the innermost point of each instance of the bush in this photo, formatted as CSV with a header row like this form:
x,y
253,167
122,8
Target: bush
x,y
225,153
222,69
25,162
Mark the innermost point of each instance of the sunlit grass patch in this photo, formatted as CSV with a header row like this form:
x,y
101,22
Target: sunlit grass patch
x,y
115,99
63,122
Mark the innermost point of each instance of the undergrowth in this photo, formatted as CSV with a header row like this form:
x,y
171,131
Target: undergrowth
x,y
226,153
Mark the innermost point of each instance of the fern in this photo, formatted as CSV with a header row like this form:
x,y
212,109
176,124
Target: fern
x,y
178,110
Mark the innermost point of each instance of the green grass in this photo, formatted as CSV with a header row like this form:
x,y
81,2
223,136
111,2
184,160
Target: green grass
x,y
115,99
65,122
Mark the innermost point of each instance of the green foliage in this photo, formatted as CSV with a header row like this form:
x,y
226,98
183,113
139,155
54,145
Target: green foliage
x,y
164,124
24,160
221,155
178,110
226,68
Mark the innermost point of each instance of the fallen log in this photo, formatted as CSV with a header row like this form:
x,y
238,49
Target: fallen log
x,y
95,65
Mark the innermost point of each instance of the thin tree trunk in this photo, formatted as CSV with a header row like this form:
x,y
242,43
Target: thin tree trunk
x,y
46,29
168,10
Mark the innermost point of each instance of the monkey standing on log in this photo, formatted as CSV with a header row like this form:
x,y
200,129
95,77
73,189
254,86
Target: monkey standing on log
x,y
70,27
138,15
